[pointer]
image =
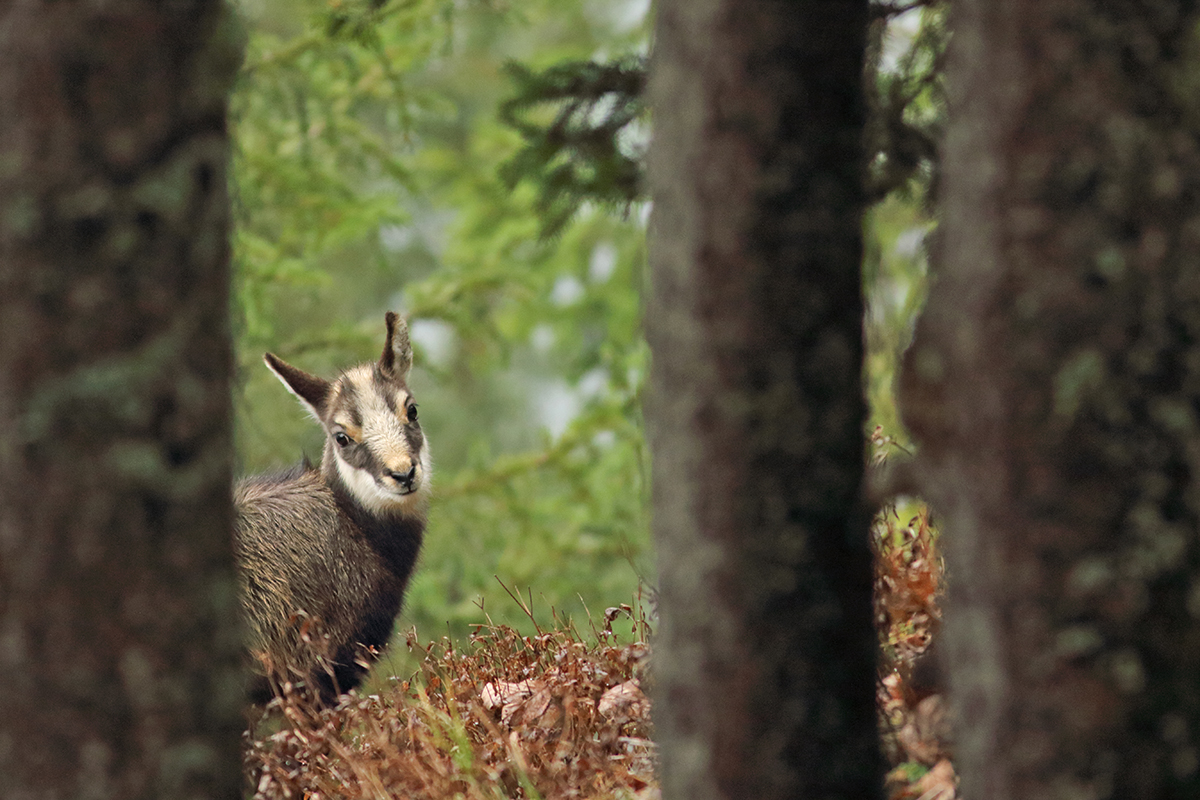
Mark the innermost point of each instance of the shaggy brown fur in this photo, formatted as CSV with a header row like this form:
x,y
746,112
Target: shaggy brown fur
x,y
325,554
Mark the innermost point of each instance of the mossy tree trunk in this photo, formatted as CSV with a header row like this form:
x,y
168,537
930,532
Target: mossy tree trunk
x,y
765,658
1054,389
119,649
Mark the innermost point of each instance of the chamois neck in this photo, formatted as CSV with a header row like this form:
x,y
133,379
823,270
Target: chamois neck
x,y
395,534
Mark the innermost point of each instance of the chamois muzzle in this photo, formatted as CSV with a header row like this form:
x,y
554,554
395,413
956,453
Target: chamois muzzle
x,y
405,479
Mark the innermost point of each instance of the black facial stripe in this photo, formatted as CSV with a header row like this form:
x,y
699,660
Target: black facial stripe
x,y
414,437
348,401
386,389
361,457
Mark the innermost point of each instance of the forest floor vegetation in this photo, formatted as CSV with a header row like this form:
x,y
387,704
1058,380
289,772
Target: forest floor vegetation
x,y
549,715
561,714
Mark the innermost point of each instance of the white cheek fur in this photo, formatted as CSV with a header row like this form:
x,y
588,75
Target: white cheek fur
x,y
377,499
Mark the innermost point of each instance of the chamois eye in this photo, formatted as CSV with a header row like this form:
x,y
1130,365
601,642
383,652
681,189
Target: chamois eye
x,y
341,439
412,413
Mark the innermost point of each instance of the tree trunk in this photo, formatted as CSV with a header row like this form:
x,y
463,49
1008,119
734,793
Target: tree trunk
x,y
119,650
1054,389
765,657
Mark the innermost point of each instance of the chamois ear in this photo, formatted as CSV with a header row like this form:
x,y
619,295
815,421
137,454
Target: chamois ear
x,y
397,358
312,391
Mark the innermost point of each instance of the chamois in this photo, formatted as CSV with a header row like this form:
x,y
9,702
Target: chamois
x,y
331,549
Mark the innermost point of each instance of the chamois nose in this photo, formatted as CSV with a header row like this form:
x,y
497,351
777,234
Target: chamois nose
x,y
405,479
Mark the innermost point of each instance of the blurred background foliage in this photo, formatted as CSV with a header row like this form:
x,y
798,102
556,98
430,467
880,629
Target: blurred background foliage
x,y
476,166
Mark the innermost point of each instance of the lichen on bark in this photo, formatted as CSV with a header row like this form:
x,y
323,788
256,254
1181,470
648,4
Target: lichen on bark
x,y
119,652
765,665
1053,386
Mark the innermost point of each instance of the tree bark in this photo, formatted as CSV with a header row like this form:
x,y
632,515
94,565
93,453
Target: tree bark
x,y
119,650
765,656
1054,389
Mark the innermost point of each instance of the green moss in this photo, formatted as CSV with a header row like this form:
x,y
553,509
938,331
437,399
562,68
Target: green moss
x,y
1081,375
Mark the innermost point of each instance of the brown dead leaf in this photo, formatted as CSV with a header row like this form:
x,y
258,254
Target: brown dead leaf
x,y
525,702
933,720
925,734
496,694
536,706
508,697
623,702
940,783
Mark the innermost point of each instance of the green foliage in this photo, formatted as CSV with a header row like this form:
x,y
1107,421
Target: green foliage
x,y
907,109
906,97
367,176
895,275
590,150
475,164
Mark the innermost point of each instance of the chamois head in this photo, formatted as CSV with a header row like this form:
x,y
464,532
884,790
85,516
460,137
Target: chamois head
x,y
373,443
